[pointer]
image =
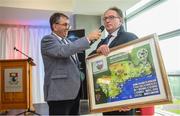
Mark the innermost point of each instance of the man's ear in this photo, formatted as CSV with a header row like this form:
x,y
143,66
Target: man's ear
x,y
121,20
54,27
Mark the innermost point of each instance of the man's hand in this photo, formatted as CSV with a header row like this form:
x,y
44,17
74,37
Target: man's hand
x,y
95,35
103,49
124,109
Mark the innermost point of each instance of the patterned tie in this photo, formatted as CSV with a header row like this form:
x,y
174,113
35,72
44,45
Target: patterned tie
x,y
76,61
106,40
74,57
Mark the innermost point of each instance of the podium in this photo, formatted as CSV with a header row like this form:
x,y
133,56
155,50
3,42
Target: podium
x,y
15,84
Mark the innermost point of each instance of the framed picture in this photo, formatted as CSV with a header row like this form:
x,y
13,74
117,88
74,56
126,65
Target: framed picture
x,y
132,75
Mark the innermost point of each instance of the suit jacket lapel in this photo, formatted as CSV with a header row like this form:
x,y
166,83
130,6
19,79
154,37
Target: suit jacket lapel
x,y
60,41
74,57
117,40
75,60
113,43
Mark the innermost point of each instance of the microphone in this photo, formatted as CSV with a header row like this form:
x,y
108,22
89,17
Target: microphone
x,y
101,29
15,48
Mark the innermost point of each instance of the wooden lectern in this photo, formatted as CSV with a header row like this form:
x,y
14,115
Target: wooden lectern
x,y
15,84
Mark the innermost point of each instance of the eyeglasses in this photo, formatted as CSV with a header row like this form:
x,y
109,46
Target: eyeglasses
x,y
66,25
110,18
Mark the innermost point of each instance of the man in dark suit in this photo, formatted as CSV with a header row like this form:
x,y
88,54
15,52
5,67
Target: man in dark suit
x,y
62,76
113,20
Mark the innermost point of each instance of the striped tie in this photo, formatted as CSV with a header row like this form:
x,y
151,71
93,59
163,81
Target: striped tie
x,y
74,57
76,61
106,40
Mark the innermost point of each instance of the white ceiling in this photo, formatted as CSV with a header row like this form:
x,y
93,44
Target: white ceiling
x,y
37,12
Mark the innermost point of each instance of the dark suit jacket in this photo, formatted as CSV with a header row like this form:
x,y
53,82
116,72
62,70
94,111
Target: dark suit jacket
x,y
122,37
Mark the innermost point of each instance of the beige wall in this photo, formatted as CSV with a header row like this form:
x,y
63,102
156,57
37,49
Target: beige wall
x,y
60,5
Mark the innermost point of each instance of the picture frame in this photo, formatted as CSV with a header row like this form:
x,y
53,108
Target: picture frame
x,y
132,75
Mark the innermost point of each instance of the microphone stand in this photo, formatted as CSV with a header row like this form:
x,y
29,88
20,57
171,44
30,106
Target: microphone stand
x,y
29,61
29,58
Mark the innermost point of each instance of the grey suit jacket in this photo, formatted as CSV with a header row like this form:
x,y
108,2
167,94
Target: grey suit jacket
x,y
62,76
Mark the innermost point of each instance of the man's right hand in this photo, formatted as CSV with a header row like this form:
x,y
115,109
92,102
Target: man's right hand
x,y
124,109
95,35
103,49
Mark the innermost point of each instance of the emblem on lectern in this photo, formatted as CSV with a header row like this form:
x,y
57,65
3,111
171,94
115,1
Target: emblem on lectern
x,y
13,78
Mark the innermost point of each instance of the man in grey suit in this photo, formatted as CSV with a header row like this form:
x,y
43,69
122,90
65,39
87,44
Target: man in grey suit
x,y
62,76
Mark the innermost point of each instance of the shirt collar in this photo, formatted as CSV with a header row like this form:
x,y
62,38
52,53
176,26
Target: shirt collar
x,y
57,36
114,34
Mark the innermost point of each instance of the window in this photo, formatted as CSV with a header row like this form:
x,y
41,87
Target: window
x,y
169,48
158,19
162,18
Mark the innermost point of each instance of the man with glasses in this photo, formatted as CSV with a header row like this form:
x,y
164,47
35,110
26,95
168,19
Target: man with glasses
x,y
62,76
113,20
